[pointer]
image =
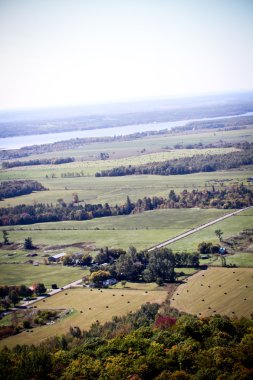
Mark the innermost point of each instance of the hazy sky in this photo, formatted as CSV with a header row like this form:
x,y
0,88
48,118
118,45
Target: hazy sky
x,y
65,52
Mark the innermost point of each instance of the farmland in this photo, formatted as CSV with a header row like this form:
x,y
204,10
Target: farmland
x,y
141,230
90,167
27,274
230,227
226,291
116,189
96,305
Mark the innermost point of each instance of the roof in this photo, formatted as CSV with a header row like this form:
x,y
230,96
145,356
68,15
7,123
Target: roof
x,y
58,255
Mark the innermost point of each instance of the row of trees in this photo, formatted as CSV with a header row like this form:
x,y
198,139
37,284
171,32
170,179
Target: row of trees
x,y
42,161
148,344
13,294
9,189
233,197
185,165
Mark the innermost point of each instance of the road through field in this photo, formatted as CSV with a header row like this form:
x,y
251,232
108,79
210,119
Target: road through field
x,y
192,231
161,245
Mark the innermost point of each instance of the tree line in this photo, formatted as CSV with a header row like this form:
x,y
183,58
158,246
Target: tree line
x,y
152,343
233,197
9,189
44,161
185,165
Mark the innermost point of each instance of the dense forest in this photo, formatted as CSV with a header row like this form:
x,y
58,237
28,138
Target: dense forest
x,y
152,343
233,197
44,161
185,165
9,189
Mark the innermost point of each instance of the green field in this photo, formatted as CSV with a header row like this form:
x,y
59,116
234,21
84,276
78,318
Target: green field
x,y
141,230
93,305
27,274
204,292
241,259
89,168
116,189
230,227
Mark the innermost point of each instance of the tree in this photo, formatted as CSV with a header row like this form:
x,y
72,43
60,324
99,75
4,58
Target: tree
x,y
223,261
129,206
219,234
5,303
126,268
98,277
39,289
161,264
86,260
28,244
24,291
205,248
26,324
5,237
14,298
75,198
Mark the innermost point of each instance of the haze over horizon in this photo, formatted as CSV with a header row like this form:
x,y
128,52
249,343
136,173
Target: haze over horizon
x,y
85,52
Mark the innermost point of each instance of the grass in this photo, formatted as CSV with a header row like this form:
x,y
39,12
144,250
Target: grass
x,y
210,286
93,305
241,259
27,274
90,167
115,189
230,227
141,230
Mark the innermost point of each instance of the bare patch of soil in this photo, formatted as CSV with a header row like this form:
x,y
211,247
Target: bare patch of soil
x,y
90,246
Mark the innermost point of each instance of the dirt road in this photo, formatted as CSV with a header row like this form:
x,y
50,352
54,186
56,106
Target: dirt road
x,y
192,231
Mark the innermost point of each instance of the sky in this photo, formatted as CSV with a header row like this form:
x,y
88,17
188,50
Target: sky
x,y
73,52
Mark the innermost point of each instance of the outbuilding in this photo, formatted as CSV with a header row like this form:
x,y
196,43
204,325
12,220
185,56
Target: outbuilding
x,y
56,258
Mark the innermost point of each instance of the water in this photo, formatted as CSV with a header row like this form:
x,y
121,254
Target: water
x,y
17,142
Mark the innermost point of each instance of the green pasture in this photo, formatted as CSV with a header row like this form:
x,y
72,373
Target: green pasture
x,y
226,291
240,259
27,274
86,307
141,230
9,256
115,189
230,227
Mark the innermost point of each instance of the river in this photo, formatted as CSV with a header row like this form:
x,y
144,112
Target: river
x,y
17,142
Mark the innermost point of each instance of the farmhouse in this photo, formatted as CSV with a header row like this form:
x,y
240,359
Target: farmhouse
x,y
109,282
56,258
